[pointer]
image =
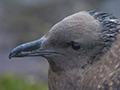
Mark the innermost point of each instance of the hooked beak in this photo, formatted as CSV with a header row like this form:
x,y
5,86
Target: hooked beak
x,y
33,48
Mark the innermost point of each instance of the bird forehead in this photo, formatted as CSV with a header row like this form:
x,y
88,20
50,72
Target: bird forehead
x,y
75,28
74,33
83,16
79,22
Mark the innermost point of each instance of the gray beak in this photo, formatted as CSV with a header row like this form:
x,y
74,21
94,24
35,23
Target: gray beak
x,y
33,48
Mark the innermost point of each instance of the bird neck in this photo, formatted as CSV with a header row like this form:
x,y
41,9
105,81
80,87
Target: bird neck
x,y
65,80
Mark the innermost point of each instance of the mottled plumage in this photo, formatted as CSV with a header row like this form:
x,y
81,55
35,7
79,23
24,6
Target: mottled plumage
x,y
83,51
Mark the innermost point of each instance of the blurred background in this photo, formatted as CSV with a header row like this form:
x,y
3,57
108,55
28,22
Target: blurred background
x,y
26,20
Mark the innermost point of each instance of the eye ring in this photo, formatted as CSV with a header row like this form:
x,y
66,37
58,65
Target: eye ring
x,y
75,46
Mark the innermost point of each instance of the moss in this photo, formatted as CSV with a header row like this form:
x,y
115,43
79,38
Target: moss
x,y
11,82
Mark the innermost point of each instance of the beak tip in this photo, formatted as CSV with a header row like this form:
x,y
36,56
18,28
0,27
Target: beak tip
x,y
26,49
10,56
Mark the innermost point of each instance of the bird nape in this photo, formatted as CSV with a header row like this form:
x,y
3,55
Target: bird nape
x,y
82,51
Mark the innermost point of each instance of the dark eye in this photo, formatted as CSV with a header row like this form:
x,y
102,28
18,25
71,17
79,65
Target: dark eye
x,y
75,46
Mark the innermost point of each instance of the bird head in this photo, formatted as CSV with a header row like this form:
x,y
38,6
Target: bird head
x,y
76,41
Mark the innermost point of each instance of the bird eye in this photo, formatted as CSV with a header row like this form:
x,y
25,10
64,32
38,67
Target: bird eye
x,y
75,46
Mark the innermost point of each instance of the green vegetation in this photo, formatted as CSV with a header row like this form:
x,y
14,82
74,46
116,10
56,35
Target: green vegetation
x,y
11,82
